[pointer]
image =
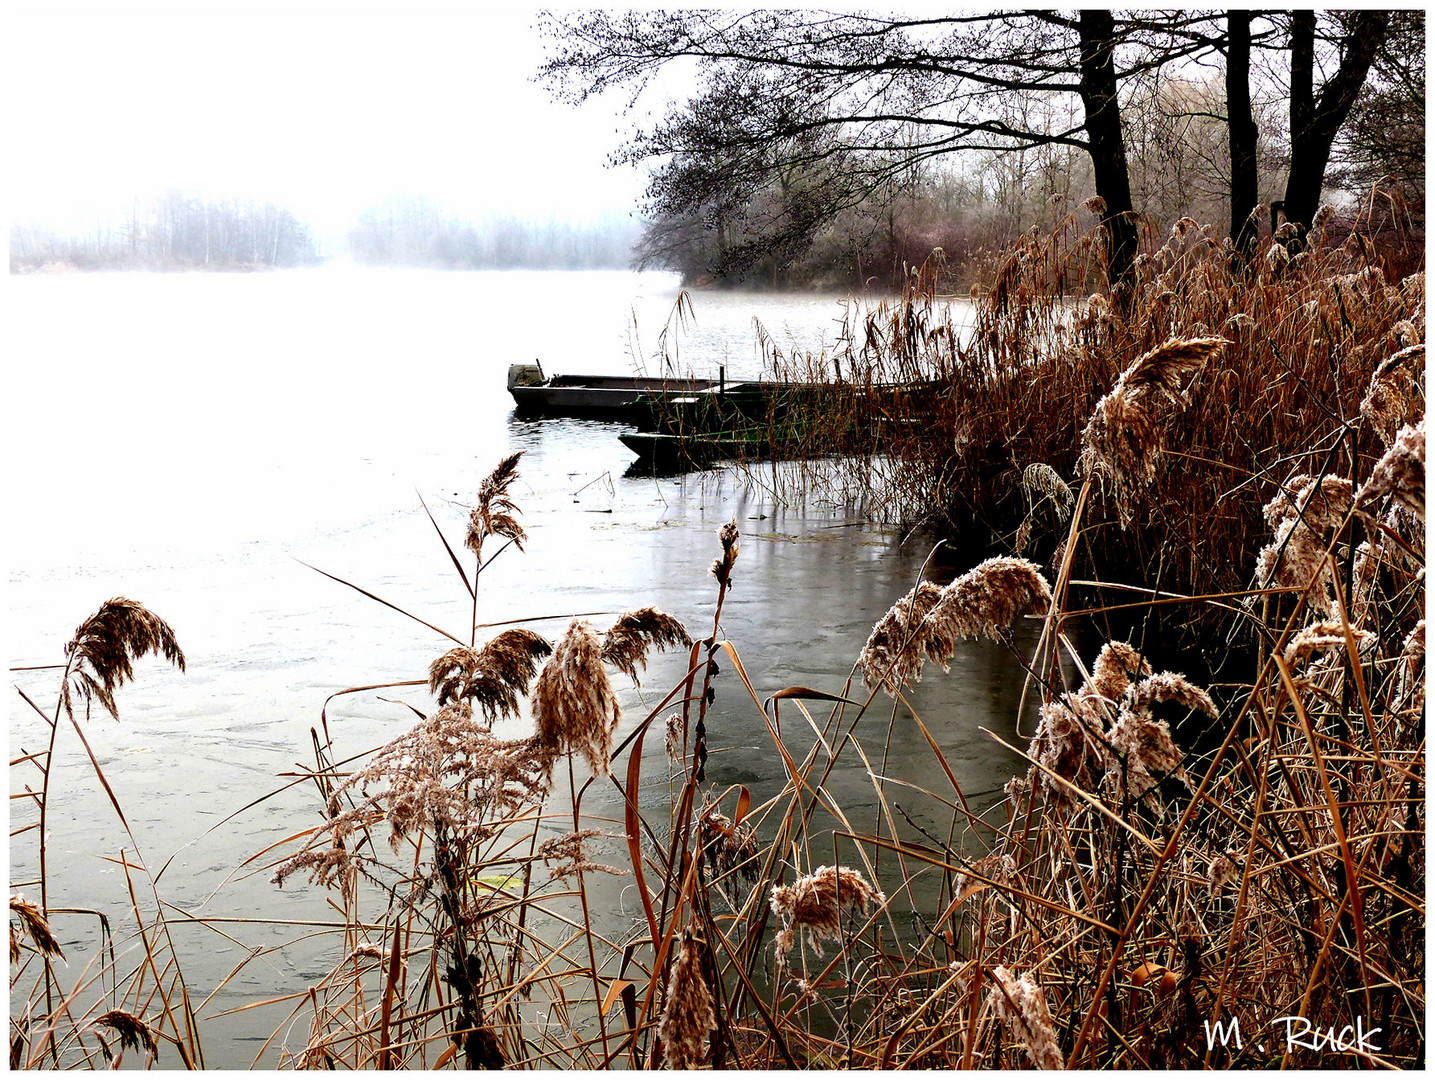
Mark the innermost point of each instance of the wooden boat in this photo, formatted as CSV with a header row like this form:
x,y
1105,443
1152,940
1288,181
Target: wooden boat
x,y
625,398
755,421
662,453
750,421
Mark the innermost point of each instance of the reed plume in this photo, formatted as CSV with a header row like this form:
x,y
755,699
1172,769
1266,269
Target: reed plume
x,y
1165,687
1408,691
628,640
1223,872
892,656
727,849
1126,434
1074,742
1040,478
1321,636
1143,753
983,602
495,513
1400,473
105,646
1396,394
688,1018
1305,516
574,707
570,853
492,677
722,565
1021,1004
816,902
132,1031
36,927
1117,665
446,771
1067,744
928,621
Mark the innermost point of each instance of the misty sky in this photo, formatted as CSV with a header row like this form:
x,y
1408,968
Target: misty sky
x,y
323,109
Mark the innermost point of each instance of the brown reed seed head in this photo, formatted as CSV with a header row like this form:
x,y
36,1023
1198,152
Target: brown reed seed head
x,y
133,1032
1041,482
727,848
817,902
106,645
722,566
1066,745
1400,473
983,602
1396,394
892,656
1143,744
673,737
36,927
574,707
493,677
1223,872
1324,636
494,514
1168,686
1116,666
1126,433
570,852
689,1018
1304,514
628,640
447,770
1021,1004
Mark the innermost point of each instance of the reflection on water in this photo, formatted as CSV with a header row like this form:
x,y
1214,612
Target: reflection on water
x,y
193,441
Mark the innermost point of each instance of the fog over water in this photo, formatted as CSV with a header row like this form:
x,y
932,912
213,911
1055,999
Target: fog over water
x,y
321,108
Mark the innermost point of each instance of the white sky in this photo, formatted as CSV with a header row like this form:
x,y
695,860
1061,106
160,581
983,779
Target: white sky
x,y
324,109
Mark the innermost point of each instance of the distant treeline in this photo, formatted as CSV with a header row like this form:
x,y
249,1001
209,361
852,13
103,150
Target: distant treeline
x,y
173,232
419,232
179,232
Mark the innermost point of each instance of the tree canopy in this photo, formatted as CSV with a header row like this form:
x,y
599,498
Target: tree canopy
x,y
801,114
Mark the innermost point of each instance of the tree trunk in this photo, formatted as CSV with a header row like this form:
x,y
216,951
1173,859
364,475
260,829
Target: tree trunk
x,y
1105,141
1242,127
1316,120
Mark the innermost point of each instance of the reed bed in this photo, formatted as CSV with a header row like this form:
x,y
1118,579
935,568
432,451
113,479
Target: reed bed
x,y
1174,859
946,414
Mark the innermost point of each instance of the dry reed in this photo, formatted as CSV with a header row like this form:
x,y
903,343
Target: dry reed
x,y
688,1017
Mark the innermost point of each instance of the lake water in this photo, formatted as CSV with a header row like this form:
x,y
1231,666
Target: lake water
x,y
192,441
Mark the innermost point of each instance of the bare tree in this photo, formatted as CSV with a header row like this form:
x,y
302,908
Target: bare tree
x,y
1316,115
851,100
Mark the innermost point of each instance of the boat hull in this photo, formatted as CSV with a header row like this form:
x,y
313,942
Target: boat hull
x,y
626,399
